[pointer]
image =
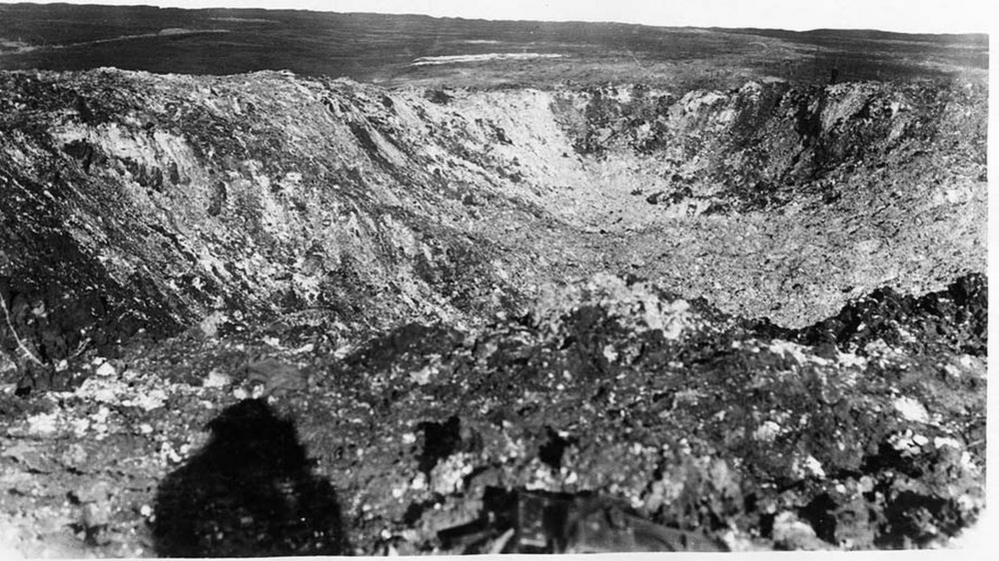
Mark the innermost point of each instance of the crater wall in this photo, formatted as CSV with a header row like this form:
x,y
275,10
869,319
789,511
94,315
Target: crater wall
x,y
135,201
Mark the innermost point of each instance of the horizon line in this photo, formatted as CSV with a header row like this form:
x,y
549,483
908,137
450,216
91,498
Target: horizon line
x,y
404,13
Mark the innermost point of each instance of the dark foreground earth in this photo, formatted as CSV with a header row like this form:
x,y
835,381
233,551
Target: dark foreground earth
x,y
270,313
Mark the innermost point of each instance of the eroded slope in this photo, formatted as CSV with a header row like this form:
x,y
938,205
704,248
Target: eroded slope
x,y
175,197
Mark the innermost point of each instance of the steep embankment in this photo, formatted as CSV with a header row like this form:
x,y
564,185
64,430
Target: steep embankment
x,y
140,201
429,284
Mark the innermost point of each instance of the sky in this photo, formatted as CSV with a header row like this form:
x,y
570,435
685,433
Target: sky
x,y
914,16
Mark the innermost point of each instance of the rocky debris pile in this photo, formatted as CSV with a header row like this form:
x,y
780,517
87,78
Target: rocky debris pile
x,y
695,426
699,423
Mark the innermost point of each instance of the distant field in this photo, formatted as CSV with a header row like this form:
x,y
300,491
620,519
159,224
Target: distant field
x,y
389,48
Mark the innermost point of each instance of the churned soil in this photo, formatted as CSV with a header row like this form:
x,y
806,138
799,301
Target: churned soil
x,y
271,314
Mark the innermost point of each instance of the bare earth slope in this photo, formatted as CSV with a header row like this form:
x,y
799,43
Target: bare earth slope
x,y
754,316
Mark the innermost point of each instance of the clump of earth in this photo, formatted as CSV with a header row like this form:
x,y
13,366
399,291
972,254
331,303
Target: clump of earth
x,y
336,318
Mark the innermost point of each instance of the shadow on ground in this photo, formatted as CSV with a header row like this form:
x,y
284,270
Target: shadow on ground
x,y
249,492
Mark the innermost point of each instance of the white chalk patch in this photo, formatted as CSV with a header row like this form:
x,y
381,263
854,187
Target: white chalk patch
x,y
456,59
106,370
215,379
911,410
767,432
